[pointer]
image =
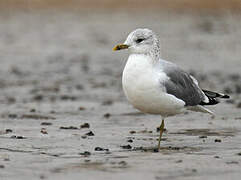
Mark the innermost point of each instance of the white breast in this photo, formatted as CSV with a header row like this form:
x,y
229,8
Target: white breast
x,y
142,87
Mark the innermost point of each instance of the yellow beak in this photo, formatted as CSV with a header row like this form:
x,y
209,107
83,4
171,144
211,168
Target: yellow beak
x,y
120,47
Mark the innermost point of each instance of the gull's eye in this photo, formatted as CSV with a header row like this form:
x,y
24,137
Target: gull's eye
x,y
139,40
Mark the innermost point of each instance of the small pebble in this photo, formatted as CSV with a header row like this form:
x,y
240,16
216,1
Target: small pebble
x,y
107,115
6,159
101,149
46,123
175,148
12,116
44,131
107,103
130,140
217,140
2,166
85,153
68,127
126,146
179,161
85,125
132,132
155,150
81,108
67,97
38,97
35,116
32,110
123,163
17,137
8,130
202,137
90,133
194,170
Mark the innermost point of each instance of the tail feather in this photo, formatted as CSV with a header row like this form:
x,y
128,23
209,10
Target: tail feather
x,y
212,97
199,108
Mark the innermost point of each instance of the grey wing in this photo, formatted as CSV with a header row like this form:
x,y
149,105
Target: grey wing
x,y
183,86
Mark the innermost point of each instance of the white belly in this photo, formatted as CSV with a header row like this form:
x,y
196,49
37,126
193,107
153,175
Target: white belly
x,y
142,87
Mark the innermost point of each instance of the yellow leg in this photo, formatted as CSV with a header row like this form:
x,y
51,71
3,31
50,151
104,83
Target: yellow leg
x,y
161,132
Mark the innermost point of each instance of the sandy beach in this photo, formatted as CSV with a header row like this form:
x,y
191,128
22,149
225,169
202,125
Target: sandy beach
x,y
63,114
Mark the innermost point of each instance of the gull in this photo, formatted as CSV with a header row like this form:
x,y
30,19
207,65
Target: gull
x,y
156,86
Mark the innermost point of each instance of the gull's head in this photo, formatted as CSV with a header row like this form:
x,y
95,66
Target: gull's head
x,y
140,41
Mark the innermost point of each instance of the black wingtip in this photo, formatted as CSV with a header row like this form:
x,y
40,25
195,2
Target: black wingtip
x,y
213,97
225,96
212,94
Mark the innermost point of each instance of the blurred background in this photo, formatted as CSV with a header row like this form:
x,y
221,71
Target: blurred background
x,y
124,4
43,43
57,65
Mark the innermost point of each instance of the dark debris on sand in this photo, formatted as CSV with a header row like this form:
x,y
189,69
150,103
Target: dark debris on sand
x,y
46,124
85,153
101,149
90,133
68,127
85,125
128,146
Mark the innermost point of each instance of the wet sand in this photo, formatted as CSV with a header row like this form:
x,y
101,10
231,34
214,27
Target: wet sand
x,y
63,114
